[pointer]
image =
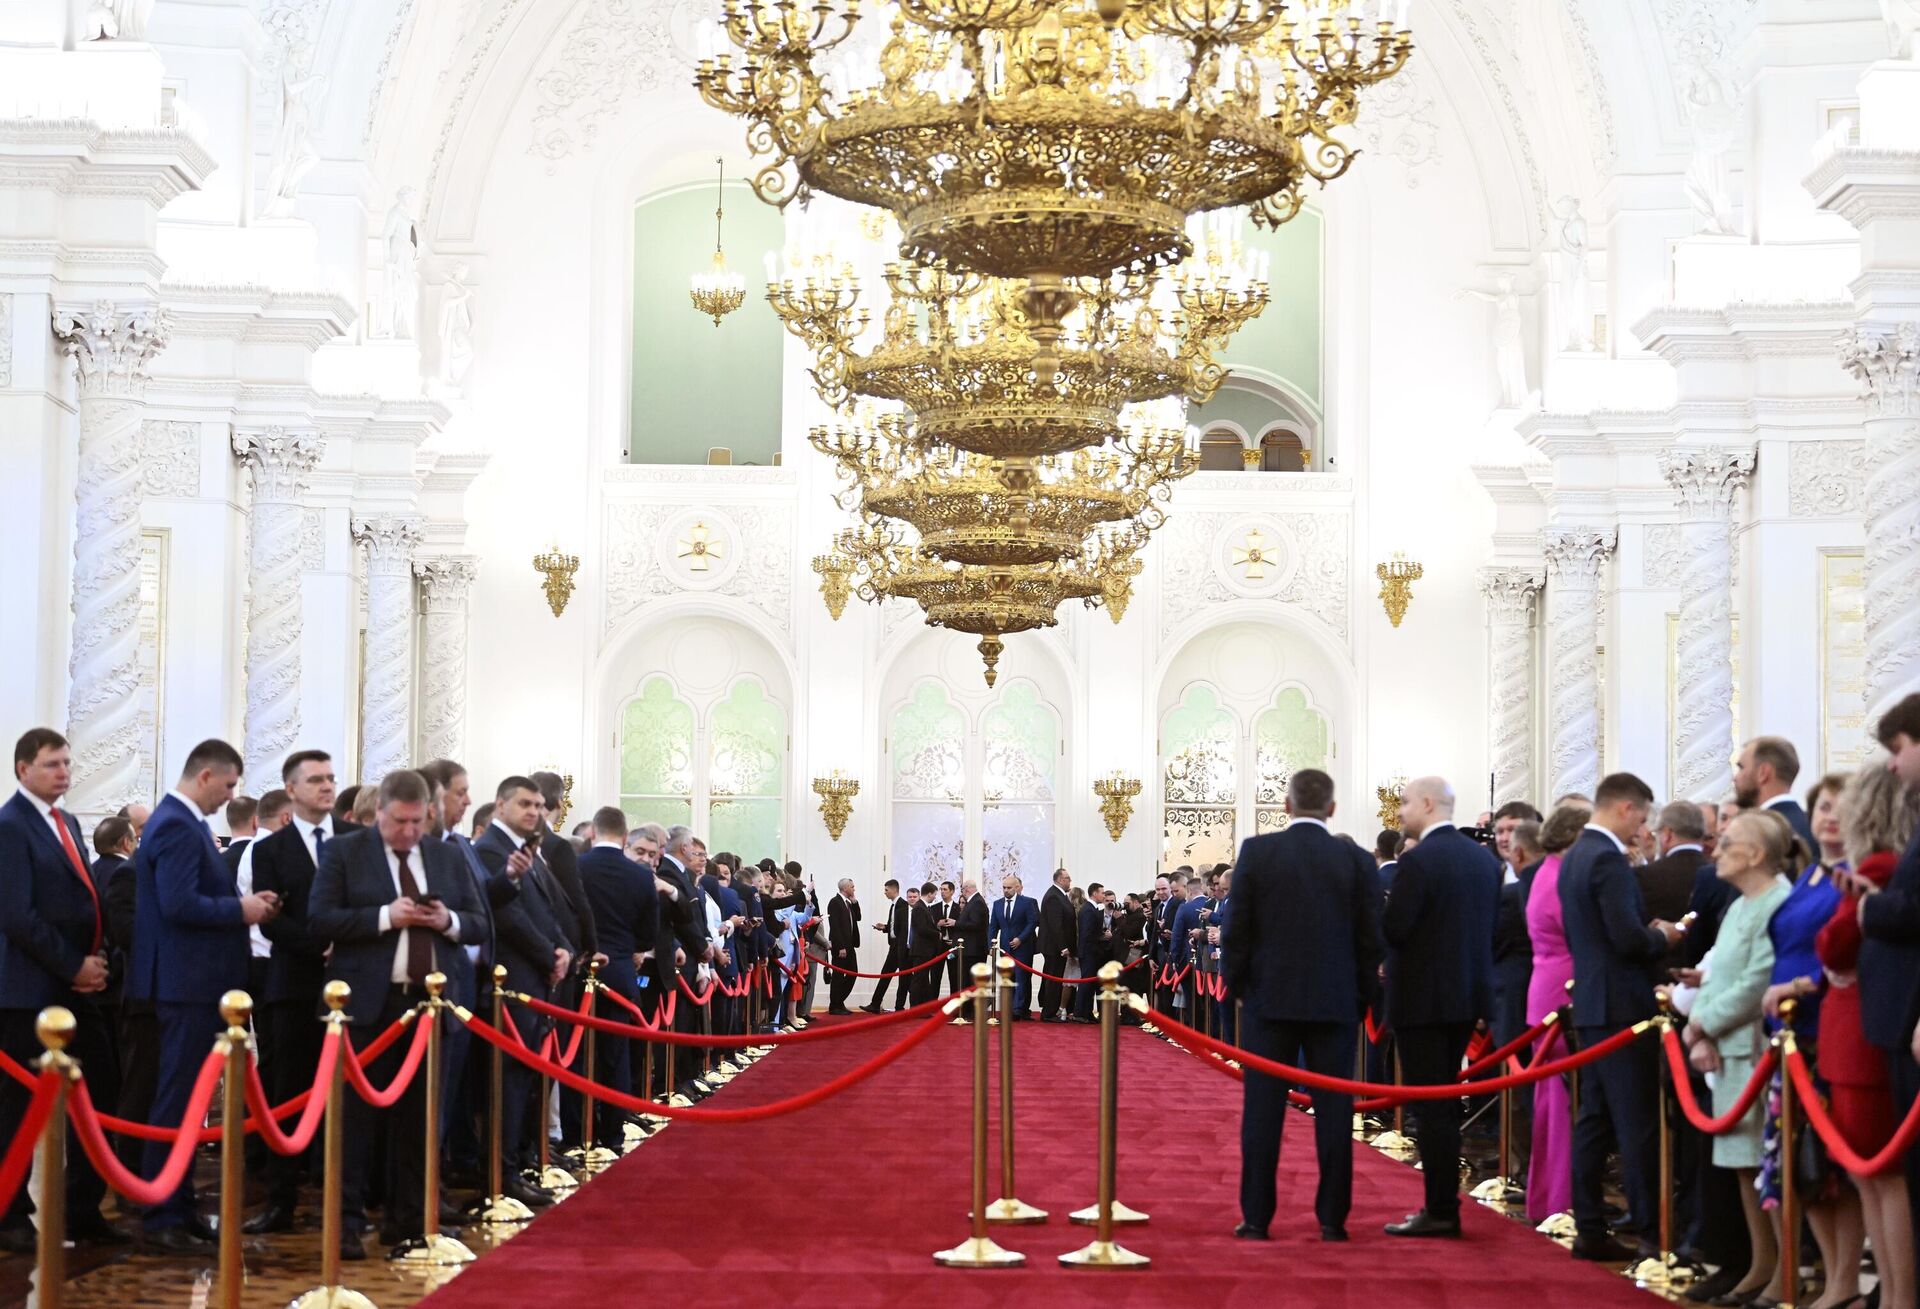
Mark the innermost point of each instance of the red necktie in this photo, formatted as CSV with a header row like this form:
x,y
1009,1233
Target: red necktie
x,y
80,868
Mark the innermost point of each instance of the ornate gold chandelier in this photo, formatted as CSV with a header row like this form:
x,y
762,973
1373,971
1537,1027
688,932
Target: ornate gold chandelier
x,y
719,290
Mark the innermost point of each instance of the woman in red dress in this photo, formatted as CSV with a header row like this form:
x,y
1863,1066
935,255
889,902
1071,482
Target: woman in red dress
x,y
1878,814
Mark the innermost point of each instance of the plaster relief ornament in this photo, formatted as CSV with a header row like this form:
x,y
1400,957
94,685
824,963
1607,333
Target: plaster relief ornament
x,y
699,547
401,241
1714,116
1575,305
294,154
118,20
1903,27
1509,340
456,327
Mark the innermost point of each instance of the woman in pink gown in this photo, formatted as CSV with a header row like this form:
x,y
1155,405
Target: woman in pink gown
x,y
1550,1171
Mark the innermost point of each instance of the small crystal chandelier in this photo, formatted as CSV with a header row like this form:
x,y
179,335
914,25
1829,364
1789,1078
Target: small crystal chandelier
x,y
718,291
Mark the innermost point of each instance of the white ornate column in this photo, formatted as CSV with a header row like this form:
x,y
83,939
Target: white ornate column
x,y
1887,362
1707,481
1576,558
278,461
112,345
1510,594
386,679
445,583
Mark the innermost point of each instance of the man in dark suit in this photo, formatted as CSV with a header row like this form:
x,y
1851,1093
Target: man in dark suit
x,y
575,914
1616,954
1092,939
843,943
1669,882
1763,779
946,917
1302,954
626,911
137,1033
1059,938
241,813
287,1008
395,909
1160,917
689,944
1439,926
53,951
189,949
1015,923
970,928
1890,948
531,947
923,944
1386,854
892,925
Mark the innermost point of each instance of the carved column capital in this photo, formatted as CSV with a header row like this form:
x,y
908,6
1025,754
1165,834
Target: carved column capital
x,y
112,345
1579,554
1511,591
446,580
279,460
1707,478
1886,361
389,540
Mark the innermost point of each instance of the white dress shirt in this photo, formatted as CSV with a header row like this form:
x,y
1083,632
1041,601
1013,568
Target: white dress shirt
x,y
307,829
418,867
243,882
1618,844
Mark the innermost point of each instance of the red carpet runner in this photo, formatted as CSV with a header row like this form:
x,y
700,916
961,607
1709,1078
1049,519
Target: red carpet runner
x,y
845,1203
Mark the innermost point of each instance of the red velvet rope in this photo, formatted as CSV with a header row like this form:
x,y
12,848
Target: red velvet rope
x,y
1476,1066
357,1072
640,1019
1068,981
1397,1094
1683,1087
550,1046
822,1033
1807,1100
93,1138
902,973
19,1158
701,998
302,1135
638,1104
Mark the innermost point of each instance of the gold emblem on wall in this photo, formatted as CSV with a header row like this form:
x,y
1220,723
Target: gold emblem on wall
x,y
836,794
699,547
1253,556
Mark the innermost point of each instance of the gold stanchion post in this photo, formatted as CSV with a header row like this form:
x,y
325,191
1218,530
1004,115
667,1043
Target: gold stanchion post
x,y
330,1294
1665,1268
1000,1004
55,1028
1395,1137
979,1250
590,1156
236,1007
432,1248
1789,1197
1103,1251
497,1208
1009,1208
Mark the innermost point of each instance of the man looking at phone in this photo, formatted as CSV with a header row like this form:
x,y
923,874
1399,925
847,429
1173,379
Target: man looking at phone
x,y
395,909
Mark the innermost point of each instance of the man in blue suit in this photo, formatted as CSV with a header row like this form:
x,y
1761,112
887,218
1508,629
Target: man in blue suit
x,y
1616,955
626,912
1763,779
1439,926
1301,953
1015,924
1189,928
189,948
52,952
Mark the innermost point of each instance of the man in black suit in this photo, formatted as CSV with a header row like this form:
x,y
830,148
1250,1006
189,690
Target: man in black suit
x,y
922,945
946,917
241,813
531,947
52,952
394,908
1302,955
970,929
1059,938
689,944
1160,916
575,914
1763,779
892,925
1092,948
1439,926
1667,882
286,1015
626,910
843,943
1616,954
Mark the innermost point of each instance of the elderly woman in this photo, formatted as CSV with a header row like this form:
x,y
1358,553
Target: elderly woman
x,y
1724,1035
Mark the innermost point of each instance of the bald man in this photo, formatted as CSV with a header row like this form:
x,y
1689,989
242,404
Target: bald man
x,y
1439,926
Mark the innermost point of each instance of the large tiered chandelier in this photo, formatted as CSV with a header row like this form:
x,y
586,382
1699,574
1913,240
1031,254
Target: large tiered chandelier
x,y
1012,422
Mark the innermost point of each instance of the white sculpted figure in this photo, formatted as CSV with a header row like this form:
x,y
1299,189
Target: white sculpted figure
x,y
456,327
1509,340
293,150
402,270
1575,304
1715,120
118,20
1903,27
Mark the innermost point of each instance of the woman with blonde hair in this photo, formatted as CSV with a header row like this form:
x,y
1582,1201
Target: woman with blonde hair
x,y
1878,814
1724,1035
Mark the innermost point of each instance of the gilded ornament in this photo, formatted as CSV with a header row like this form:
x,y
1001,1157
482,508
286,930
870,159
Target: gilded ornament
x,y
558,570
1397,577
836,794
1116,793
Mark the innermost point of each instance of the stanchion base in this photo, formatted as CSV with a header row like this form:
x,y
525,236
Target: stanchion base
x,y
1661,1270
1391,1140
632,1133
330,1297
961,1022
498,1211
677,1101
436,1251
1498,1190
558,1180
594,1160
1090,1216
1559,1226
979,1252
703,1084
1104,1254
1011,1210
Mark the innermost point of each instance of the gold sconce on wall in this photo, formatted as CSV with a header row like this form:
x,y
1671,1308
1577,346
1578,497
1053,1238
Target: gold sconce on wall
x,y
1116,792
836,581
836,794
1391,796
1397,577
558,570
